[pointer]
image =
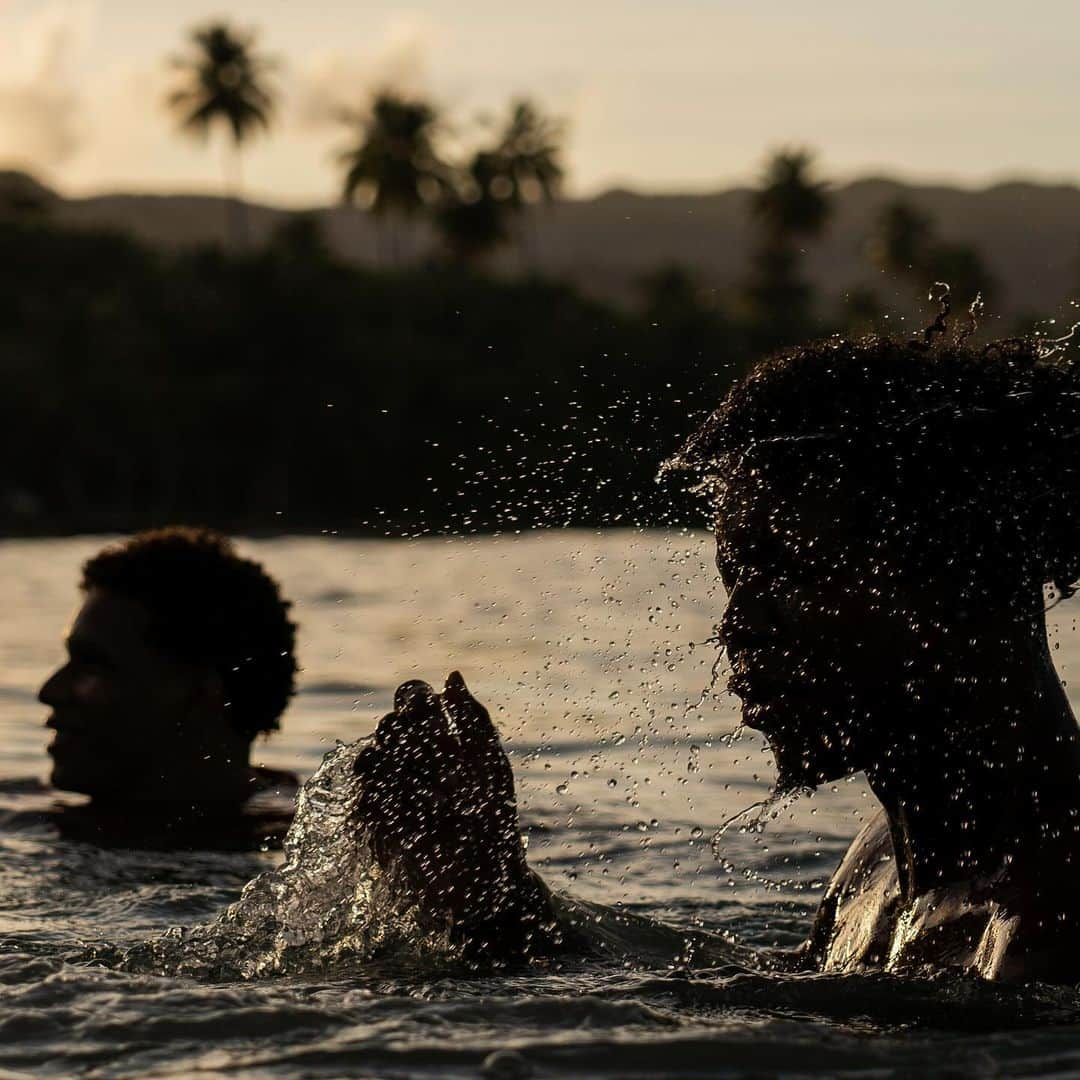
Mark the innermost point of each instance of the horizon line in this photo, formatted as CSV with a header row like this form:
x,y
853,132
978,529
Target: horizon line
x,y
615,186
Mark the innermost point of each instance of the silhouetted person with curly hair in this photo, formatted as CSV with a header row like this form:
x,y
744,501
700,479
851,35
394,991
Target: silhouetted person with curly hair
x,y
180,655
888,516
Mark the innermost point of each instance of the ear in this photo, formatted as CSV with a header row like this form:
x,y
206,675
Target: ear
x,y
207,692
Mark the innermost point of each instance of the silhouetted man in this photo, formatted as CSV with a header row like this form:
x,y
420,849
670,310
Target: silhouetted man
x,y
887,516
181,654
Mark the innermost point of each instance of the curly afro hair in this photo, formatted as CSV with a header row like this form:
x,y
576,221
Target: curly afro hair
x,y
209,606
963,457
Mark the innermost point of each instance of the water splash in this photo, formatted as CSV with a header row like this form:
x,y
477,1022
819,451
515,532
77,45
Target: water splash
x,y
941,294
755,823
1049,347
327,903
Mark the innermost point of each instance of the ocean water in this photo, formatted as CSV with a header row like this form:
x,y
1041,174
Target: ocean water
x,y
592,651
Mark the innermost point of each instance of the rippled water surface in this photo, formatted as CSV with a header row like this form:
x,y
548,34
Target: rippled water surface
x,y
592,652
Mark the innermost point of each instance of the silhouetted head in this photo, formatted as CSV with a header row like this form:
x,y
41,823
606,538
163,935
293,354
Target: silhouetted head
x,y
181,653
887,514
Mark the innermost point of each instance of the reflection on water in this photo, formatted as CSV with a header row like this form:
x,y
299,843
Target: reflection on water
x,y
588,647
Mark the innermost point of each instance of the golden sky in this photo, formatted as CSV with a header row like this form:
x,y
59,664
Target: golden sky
x,y
659,94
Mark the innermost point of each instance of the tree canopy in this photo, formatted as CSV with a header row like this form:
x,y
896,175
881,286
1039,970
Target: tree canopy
x,y
223,80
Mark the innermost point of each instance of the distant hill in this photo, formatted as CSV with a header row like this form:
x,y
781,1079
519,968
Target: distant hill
x,y
1027,233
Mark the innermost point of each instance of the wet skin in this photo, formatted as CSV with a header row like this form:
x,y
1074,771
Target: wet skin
x,y
147,737
848,660
437,807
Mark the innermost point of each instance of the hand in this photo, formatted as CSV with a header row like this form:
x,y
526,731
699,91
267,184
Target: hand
x,y
437,803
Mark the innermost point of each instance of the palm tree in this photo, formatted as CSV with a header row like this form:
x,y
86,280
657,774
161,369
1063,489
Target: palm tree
x,y
471,220
904,242
528,156
224,84
524,164
395,163
900,239
788,204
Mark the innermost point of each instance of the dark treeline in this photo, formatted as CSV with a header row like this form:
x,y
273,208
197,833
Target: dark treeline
x,y
282,389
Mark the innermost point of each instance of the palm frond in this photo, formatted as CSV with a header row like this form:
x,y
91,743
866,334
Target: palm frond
x,y
223,83
395,155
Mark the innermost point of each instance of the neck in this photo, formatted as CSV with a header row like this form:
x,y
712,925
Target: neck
x,y
209,783
992,778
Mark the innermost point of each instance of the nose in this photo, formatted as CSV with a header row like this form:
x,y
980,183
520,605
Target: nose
x,y
57,689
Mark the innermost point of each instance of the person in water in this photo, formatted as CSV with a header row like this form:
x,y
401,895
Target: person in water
x,y
889,516
180,655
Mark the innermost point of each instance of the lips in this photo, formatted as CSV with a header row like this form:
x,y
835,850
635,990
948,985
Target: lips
x,y
65,740
61,742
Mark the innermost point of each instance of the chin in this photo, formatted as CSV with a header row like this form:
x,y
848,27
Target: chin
x,y
804,754
66,778
797,770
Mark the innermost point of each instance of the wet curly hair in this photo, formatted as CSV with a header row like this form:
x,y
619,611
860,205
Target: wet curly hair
x,y
965,457
209,606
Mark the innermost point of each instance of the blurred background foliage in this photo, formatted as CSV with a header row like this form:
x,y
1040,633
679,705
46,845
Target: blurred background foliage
x,y
270,383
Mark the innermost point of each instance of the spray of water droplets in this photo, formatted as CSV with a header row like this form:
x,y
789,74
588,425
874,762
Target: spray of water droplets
x,y
328,903
754,820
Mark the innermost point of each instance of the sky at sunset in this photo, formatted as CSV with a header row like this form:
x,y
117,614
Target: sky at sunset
x,y
671,95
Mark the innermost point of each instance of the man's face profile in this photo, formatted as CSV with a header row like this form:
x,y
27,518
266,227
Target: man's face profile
x,y
118,703
823,626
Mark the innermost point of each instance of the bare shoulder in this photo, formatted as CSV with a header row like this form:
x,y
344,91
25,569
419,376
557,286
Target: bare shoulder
x,y
869,851
854,922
